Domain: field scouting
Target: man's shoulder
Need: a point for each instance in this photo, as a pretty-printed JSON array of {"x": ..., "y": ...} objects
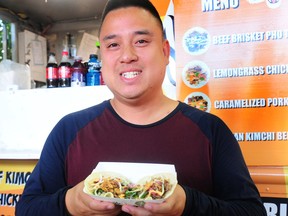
[
  {"x": 87, "y": 114},
  {"x": 198, "y": 116}
]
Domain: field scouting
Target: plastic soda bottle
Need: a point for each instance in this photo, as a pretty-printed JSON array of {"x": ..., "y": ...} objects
[
  {"x": 78, "y": 73},
  {"x": 93, "y": 74},
  {"x": 52, "y": 72},
  {"x": 64, "y": 71}
]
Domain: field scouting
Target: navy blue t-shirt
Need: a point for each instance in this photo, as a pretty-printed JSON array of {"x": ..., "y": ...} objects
[{"x": 208, "y": 160}]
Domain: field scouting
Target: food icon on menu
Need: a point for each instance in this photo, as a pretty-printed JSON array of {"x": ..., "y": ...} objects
[
  {"x": 273, "y": 3},
  {"x": 199, "y": 100},
  {"x": 195, "y": 74},
  {"x": 196, "y": 41},
  {"x": 270, "y": 3}
]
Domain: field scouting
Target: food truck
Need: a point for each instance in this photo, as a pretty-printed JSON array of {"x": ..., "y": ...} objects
[{"x": 227, "y": 57}]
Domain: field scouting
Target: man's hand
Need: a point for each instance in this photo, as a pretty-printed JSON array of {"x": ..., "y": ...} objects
[
  {"x": 79, "y": 203},
  {"x": 173, "y": 206}
]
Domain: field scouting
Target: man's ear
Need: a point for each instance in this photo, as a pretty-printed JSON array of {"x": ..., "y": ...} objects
[{"x": 166, "y": 50}]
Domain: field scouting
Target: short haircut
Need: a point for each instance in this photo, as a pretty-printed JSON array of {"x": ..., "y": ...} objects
[{"x": 118, "y": 4}]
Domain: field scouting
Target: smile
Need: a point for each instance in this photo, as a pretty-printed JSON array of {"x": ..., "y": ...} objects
[{"x": 130, "y": 75}]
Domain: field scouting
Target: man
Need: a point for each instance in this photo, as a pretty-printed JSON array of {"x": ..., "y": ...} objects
[{"x": 140, "y": 124}]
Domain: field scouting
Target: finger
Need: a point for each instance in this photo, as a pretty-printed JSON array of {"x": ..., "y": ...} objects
[
  {"x": 159, "y": 208},
  {"x": 136, "y": 211},
  {"x": 94, "y": 206},
  {"x": 101, "y": 205}
]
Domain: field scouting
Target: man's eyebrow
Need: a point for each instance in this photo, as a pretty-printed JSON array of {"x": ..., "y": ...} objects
[
  {"x": 142, "y": 32},
  {"x": 138, "y": 32},
  {"x": 109, "y": 37}
]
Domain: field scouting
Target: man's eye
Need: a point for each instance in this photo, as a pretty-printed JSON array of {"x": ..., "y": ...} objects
[
  {"x": 141, "y": 41},
  {"x": 112, "y": 45}
]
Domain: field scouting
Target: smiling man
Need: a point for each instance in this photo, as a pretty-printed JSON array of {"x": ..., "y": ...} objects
[
  {"x": 134, "y": 58},
  {"x": 140, "y": 124}
]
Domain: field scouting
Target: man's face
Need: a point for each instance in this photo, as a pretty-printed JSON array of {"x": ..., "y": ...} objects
[{"x": 134, "y": 54}]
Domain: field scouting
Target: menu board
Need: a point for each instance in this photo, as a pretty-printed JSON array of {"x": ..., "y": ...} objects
[{"x": 232, "y": 61}]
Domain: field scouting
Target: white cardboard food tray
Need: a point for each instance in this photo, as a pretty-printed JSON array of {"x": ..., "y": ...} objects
[{"x": 134, "y": 172}]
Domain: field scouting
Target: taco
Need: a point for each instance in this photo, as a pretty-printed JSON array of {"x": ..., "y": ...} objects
[
  {"x": 114, "y": 185},
  {"x": 106, "y": 184},
  {"x": 159, "y": 186}
]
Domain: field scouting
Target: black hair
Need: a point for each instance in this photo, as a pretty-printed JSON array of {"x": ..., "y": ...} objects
[{"x": 118, "y": 4}]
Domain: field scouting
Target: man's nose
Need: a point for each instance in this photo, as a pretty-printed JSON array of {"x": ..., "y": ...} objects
[{"x": 128, "y": 54}]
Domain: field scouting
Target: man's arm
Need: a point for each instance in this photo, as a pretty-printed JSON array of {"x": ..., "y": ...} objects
[
  {"x": 234, "y": 192},
  {"x": 44, "y": 192}
]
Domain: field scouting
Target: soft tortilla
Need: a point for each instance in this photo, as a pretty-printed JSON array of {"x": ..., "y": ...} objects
[{"x": 172, "y": 178}]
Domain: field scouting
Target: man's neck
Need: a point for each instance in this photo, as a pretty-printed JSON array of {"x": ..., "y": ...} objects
[{"x": 144, "y": 113}]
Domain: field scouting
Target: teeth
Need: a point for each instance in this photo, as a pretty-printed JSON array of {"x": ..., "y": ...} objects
[{"x": 130, "y": 75}]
